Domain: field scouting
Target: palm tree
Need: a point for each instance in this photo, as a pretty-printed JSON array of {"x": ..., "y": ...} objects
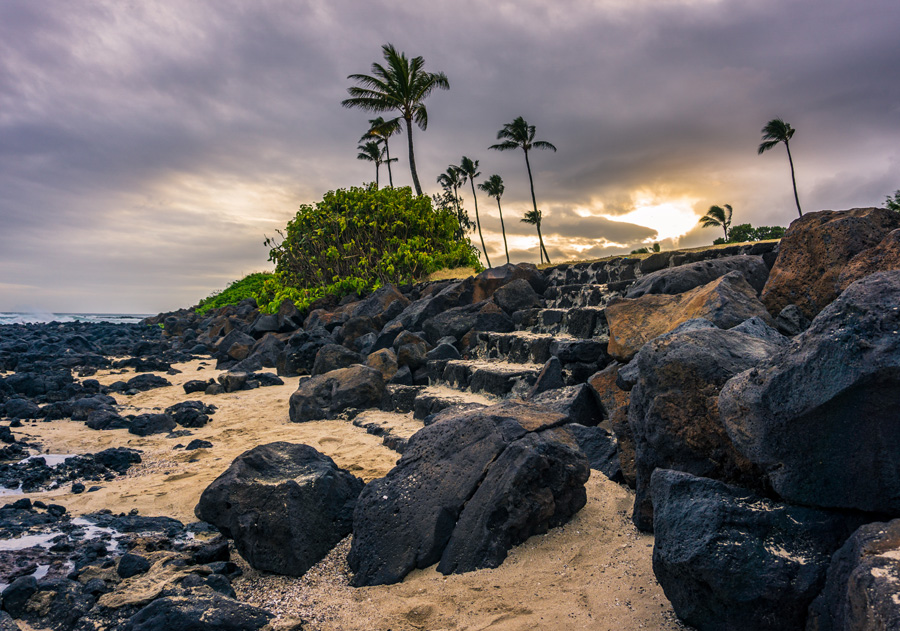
[
  {"x": 381, "y": 130},
  {"x": 520, "y": 135},
  {"x": 717, "y": 216},
  {"x": 469, "y": 170},
  {"x": 371, "y": 152},
  {"x": 451, "y": 180},
  {"x": 401, "y": 85},
  {"x": 775, "y": 131},
  {"x": 533, "y": 217},
  {"x": 493, "y": 186}
]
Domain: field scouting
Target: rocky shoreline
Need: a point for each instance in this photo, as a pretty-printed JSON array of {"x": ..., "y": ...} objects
[{"x": 736, "y": 402}]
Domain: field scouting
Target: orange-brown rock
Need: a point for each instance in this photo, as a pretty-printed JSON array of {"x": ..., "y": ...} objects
[
  {"x": 726, "y": 302},
  {"x": 814, "y": 252},
  {"x": 883, "y": 257}
]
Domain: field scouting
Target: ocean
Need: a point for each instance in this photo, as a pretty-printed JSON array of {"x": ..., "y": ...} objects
[{"x": 39, "y": 317}]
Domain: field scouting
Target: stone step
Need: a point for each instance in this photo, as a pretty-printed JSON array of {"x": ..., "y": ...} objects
[
  {"x": 395, "y": 428},
  {"x": 578, "y": 322},
  {"x": 437, "y": 398},
  {"x": 578, "y": 295},
  {"x": 537, "y": 348},
  {"x": 501, "y": 379}
]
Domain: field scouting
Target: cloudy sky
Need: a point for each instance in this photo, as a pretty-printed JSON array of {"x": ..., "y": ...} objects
[{"x": 148, "y": 147}]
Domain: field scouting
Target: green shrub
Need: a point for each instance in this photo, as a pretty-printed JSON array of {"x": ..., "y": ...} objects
[
  {"x": 251, "y": 286},
  {"x": 893, "y": 203},
  {"x": 744, "y": 232},
  {"x": 358, "y": 239}
]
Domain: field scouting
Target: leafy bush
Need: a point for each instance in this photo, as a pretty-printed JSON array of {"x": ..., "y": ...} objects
[
  {"x": 358, "y": 239},
  {"x": 744, "y": 232},
  {"x": 251, "y": 286},
  {"x": 893, "y": 203}
]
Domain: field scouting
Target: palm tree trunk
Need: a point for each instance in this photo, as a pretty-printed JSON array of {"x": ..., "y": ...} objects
[
  {"x": 478, "y": 221},
  {"x": 412, "y": 157},
  {"x": 793, "y": 179},
  {"x": 503, "y": 229},
  {"x": 541, "y": 241},
  {"x": 387, "y": 150},
  {"x": 377, "y": 167},
  {"x": 543, "y": 251}
]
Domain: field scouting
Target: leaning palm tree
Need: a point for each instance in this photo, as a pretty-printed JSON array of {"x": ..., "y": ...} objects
[
  {"x": 382, "y": 130},
  {"x": 372, "y": 152},
  {"x": 717, "y": 216},
  {"x": 469, "y": 170},
  {"x": 493, "y": 186},
  {"x": 402, "y": 85},
  {"x": 533, "y": 217},
  {"x": 520, "y": 135},
  {"x": 775, "y": 131}
]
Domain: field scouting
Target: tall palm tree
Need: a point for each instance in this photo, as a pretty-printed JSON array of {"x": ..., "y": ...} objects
[
  {"x": 469, "y": 170},
  {"x": 380, "y": 129},
  {"x": 520, "y": 135},
  {"x": 493, "y": 186},
  {"x": 775, "y": 131},
  {"x": 717, "y": 216},
  {"x": 533, "y": 217},
  {"x": 402, "y": 84}
]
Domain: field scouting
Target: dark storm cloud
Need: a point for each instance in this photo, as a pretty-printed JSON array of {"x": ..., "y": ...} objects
[{"x": 147, "y": 147}]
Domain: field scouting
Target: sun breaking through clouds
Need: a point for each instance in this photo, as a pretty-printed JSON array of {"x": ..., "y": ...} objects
[{"x": 146, "y": 149}]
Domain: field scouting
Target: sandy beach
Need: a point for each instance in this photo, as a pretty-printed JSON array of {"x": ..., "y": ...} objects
[{"x": 593, "y": 573}]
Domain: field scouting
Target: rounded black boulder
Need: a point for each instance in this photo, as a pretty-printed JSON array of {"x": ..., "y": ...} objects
[
  {"x": 285, "y": 506},
  {"x": 467, "y": 489},
  {"x": 820, "y": 417},
  {"x": 730, "y": 560}
]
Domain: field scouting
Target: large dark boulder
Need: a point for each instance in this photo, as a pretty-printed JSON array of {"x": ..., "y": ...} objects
[
  {"x": 326, "y": 396},
  {"x": 466, "y": 489},
  {"x": 820, "y": 417},
  {"x": 676, "y": 280},
  {"x": 535, "y": 484},
  {"x": 861, "y": 592},
  {"x": 601, "y": 449},
  {"x": 673, "y": 413},
  {"x": 814, "y": 252},
  {"x": 146, "y": 381},
  {"x": 517, "y": 295},
  {"x": 729, "y": 560},
  {"x": 146, "y": 424},
  {"x": 481, "y": 316},
  {"x": 198, "y": 613},
  {"x": 191, "y": 413},
  {"x": 382, "y": 305},
  {"x": 577, "y": 403},
  {"x": 284, "y": 505},
  {"x": 490, "y": 280},
  {"x": 334, "y": 356}
]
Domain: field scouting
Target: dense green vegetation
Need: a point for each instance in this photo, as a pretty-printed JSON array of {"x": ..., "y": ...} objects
[
  {"x": 744, "y": 232},
  {"x": 358, "y": 239},
  {"x": 251, "y": 286}
]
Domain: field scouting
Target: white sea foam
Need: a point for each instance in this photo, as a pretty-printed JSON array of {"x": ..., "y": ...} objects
[{"x": 43, "y": 317}]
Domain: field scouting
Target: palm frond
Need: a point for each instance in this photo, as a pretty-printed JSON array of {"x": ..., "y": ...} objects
[
  {"x": 542, "y": 144},
  {"x": 505, "y": 146}
]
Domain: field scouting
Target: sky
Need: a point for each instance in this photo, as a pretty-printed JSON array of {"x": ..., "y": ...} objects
[{"x": 148, "y": 148}]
